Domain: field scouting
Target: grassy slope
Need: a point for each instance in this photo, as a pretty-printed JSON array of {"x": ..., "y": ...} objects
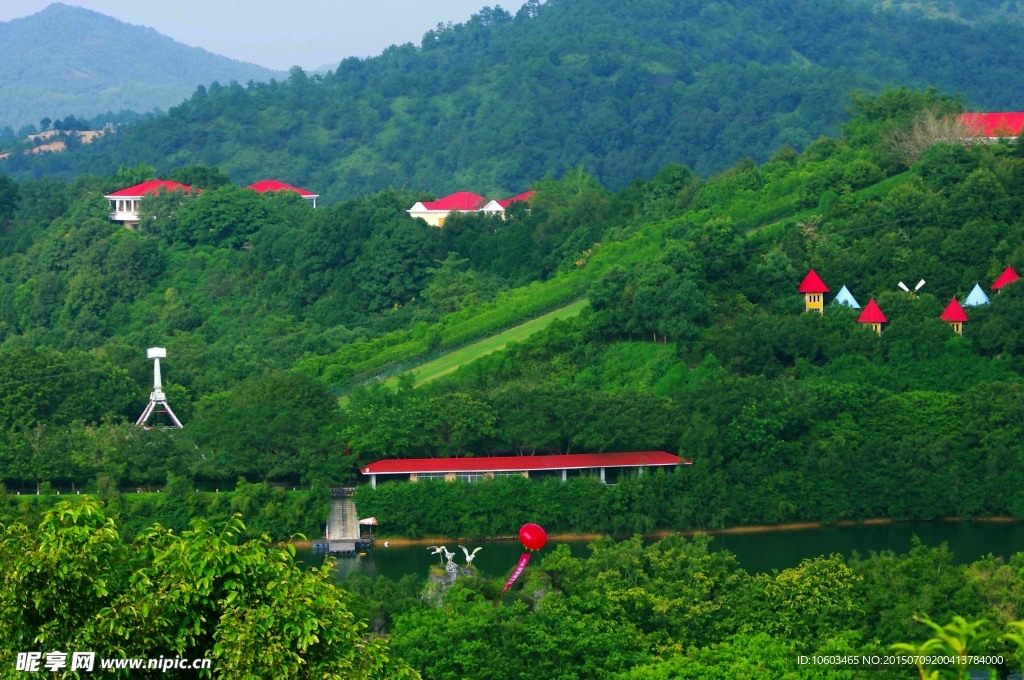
[{"x": 453, "y": 360}]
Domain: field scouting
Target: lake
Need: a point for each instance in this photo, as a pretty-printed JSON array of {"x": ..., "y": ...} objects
[{"x": 757, "y": 552}]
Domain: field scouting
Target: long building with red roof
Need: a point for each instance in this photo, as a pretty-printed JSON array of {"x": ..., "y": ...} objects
[{"x": 475, "y": 469}]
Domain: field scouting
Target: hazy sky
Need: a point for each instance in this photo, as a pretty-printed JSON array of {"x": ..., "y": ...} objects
[{"x": 280, "y": 34}]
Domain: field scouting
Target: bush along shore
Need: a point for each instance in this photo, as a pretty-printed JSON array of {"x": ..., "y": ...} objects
[{"x": 281, "y": 514}]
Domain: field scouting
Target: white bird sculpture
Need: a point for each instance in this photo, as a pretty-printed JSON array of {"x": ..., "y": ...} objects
[
  {"x": 437, "y": 550},
  {"x": 448, "y": 554},
  {"x": 469, "y": 555}
]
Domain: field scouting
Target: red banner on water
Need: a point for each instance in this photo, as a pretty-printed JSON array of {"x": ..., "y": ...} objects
[{"x": 524, "y": 559}]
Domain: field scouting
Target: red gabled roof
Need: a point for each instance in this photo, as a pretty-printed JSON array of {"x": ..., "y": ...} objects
[
  {"x": 872, "y": 313},
  {"x": 265, "y": 185},
  {"x": 462, "y": 200},
  {"x": 954, "y": 312},
  {"x": 525, "y": 197},
  {"x": 812, "y": 283},
  {"x": 1007, "y": 124},
  {"x": 1008, "y": 276},
  {"x": 571, "y": 461},
  {"x": 149, "y": 187}
]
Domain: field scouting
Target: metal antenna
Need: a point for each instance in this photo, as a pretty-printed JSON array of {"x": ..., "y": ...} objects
[{"x": 157, "y": 396}]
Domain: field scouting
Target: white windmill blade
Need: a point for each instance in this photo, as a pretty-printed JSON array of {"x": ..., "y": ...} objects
[
  {"x": 903, "y": 286},
  {"x": 918, "y": 286}
]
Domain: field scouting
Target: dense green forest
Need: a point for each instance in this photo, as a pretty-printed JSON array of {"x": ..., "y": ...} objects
[
  {"x": 675, "y": 608},
  {"x": 678, "y": 609},
  {"x": 695, "y": 340},
  {"x": 622, "y": 89}
]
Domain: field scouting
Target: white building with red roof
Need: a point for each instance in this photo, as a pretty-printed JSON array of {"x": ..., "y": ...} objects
[
  {"x": 434, "y": 213},
  {"x": 476, "y": 469},
  {"x": 497, "y": 207},
  {"x": 265, "y": 185},
  {"x": 124, "y": 203}
]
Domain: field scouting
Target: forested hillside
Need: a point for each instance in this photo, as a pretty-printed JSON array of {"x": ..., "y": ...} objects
[
  {"x": 620, "y": 88},
  {"x": 695, "y": 340},
  {"x": 69, "y": 61}
]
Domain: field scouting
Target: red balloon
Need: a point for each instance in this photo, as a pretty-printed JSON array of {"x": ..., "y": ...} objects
[{"x": 533, "y": 537}]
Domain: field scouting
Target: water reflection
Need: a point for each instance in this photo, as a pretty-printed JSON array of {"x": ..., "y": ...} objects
[{"x": 756, "y": 552}]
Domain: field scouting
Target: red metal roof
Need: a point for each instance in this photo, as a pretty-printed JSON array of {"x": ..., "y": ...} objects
[
  {"x": 812, "y": 283},
  {"x": 954, "y": 312},
  {"x": 872, "y": 313},
  {"x": 571, "y": 461},
  {"x": 525, "y": 197},
  {"x": 265, "y": 185},
  {"x": 149, "y": 187},
  {"x": 1007, "y": 124},
  {"x": 1008, "y": 276},
  {"x": 462, "y": 200}
]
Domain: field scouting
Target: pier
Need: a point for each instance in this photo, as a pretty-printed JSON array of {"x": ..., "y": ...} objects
[{"x": 343, "y": 535}]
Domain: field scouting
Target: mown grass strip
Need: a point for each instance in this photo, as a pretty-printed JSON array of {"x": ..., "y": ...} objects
[{"x": 448, "y": 363}]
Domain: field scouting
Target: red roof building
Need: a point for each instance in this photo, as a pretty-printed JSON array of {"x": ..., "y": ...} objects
[
  {"x": 124, "y": 203},
  {"x": 475, "y": 469},
  {"x": 955, "y": 315},
  {"x": 464, "y": 201},
  {"x": 265, "y": 185},
  {"x": 1008, "y": 276},
  {"x": 993, "y": 125},
  {"x": 873, "y": 315},
  {"x": 501, "y": 204},
  {"x": 814, "y": 290},
  {"x": 435, "y": 212}
]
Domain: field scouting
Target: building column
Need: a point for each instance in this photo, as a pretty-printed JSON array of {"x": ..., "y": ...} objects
[
  {"x": 564, "y": 474},
  {"x": 373, "y": 481},
  {"x": 602, "y": 476}
]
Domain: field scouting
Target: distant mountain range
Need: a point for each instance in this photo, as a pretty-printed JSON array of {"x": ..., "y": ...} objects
[
  {"x": 72, "y": 61},
  {"x": 621, "y": 89}
]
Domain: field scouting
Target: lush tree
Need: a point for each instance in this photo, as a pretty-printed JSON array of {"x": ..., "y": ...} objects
[{"x": 201, "y": 594}]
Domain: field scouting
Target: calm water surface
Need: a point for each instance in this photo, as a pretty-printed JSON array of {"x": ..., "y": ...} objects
[{"x": 756, "y": 552}]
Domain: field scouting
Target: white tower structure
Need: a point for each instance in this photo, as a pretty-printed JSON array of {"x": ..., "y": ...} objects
[{"x": 157, "y": 397}]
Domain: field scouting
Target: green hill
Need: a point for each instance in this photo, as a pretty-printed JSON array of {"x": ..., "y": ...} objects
[
  {"x": 620, "y": 88},
  {"x": 694, "y": 340}
]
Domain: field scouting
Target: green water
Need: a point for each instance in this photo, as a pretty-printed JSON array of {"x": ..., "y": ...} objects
[{"x": 756, "y": 552}]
